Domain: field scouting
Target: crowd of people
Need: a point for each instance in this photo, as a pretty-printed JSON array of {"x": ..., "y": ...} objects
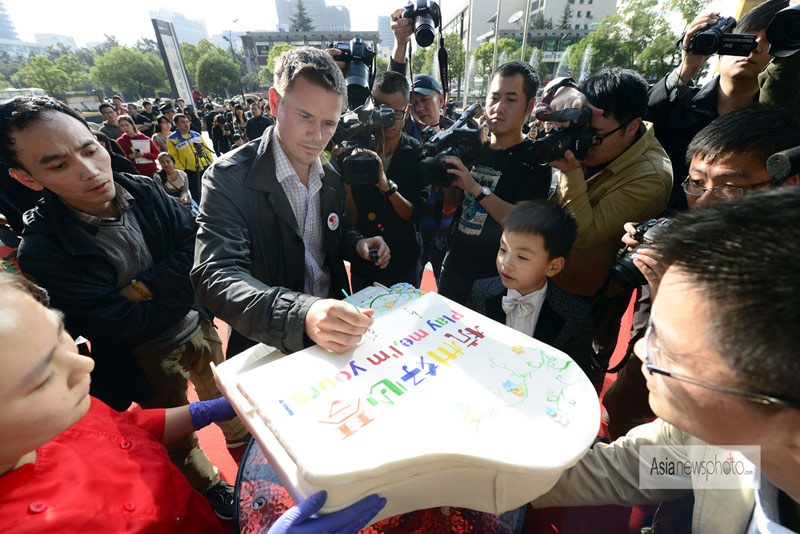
[{"x": 136, "y": 234}]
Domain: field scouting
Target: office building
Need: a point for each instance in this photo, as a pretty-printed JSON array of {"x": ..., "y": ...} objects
[{"x": 187, "y": 30}]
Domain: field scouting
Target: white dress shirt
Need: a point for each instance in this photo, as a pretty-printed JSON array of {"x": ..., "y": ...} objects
[
  {"x": 526, "y": 325},
  {"x": 766, "y": 519}
]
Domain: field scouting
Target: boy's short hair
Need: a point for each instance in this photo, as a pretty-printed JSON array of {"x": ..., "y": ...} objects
[
  {"x": 555, "y": 224},
  {"x": 760, "y": 132}
]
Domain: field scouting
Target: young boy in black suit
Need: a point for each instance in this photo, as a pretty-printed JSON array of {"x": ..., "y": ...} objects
[{"x": 537, "y": 237}]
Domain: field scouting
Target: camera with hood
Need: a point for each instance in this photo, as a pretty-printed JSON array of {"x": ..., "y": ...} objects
[
  {"x": 623, "y": 270},
  {"x": 783, "y": 32},
  {"x": 426, "y": 16},
  {"x": 354, "y": 133},
  {"x": 579, "y": 136},
  {"x": 360, "y": 58},
  {"x": 461, "y": 140}
]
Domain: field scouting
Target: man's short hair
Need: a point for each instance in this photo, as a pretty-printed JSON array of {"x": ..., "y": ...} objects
[
  {"x": 19, "y": 283},
  {"x": 744, "y": 256},
  {"x": 146, "y": 103},
  {"x": 116, "y": 96},
  {"x": 132, "y": 106},
  {"x": 314, "y": 65},
  {"x": 530, "y": 80},
  {"x": 104, "y": 105},
  {"x": 17, "y": 113},
  {"x": 759, "y": 132},
  {"x": 178, "y": 116},
  {"x": 555, "y": 224},
  {"x": 758, "y": 18},
  {"x": 389, "y": 82},
  {"x": 621, "y": 93}
]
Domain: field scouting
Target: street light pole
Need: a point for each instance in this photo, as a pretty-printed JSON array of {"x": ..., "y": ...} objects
[{"x": 230, "y": 42}]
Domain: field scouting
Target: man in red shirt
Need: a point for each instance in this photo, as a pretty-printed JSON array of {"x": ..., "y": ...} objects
[{"x": 69, "y": 463}]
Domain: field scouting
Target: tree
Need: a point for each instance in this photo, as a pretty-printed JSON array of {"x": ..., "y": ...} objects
[
  {"x": 77, "y": 72},
  {"x": 216, "y": 72},
  {"x": 145, "y": 44},
  {"x": 250, "y": 82},
  {"x": 301, "y": 22},
  {"x": 689, "y": 9},
  {"x": 455, "y": 57},
  {"x": 265, "y": 77},
  {"x": 129, "y": 70},
  {"x": 483, "y": 54},
  {"x": 656, "y": 61},
  {"x": 538, "y": 22},
  {"x": 381, "y": 65},
  {"x": 507, "y": 47},
  {"x": 418, "y": 60},
  {"x": 564, "y": 22},
  {"x": 10, "y": 65},
  {"x": 42, "y": 72},
  {"x": 274, "y": 53}
]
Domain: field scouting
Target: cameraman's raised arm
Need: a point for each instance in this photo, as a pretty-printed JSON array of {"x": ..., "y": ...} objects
[
  {"x": 494, "y": 205},
  {"x": 402, "y": 29}
]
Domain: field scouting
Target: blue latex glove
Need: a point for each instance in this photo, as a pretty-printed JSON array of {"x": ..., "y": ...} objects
[
  {"x": 298, "y": 520},
  {"x": 204, "y": 413}
]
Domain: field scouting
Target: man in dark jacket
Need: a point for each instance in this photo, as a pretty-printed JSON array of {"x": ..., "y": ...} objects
[
  {"x": 257, "y": 123},
  {"x": 114, "y": 252},
  {"x": 391, "y": 206},
  {"x": 274, "y": 227}
]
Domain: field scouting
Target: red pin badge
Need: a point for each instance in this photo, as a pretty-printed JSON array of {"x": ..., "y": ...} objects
[{"x": 333, "y": 221}]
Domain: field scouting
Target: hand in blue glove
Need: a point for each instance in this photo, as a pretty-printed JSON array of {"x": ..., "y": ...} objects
[
  {"x": 298, "y": 520},
  {"x": 204, "y": 413}
]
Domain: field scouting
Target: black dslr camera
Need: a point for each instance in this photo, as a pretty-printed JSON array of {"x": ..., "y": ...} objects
[
  {"x": 579, "y": 136},
  {"x": 718, "y": 39},
  {"x": 426, "y": 17},
  {"x": 460, "y": 140},
  {"x": 356, "y": 131},
  {"x": 360, "y": 58},
  {"x": 623, "y": 270}
]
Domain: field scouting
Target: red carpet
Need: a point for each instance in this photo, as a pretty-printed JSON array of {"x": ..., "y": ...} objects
[{"x": 577, "y": 520}]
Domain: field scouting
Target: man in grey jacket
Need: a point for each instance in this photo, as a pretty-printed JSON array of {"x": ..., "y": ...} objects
[{"x": 274, "y": 226}]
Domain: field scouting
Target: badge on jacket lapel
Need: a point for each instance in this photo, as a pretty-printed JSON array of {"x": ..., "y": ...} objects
[{"x": 333, "y": 221}]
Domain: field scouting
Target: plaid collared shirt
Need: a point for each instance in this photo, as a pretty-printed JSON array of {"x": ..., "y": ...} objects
[{"x": 305, "y": 204}]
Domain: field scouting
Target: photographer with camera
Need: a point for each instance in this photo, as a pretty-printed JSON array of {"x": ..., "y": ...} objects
[
  {"x": 780, "y": 81},
  {"x": 727, "y": 159},
  {"x": 679, "y": 109},
  {"x": 389, "y": 204},
  {"x": 504, "y": 174},
  {"x": 190, "y": 153}
]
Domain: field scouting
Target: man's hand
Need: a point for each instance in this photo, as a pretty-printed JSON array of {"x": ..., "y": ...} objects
[
  {"x": 629, "y": 237},
  {"x": 334, "y": 53},
  {"x": 132, "y": 295},
  {"x": 374, "y": 243},
  {"x": 567, "y": 163},
  {"x": 692, "y": 63},
  {"x": 649, "y": 263},
  {"x": 383, "y": 181},
  {"x": 335, "y": 325},
  {"x": 402, "y": 29},
  {"x": 567, "y": 98},
  {"x": 463, "y": 179},
  {"x": 299, "y": 520}
]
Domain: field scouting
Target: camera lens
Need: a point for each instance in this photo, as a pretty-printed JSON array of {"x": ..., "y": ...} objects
[
  {"x": 784, "y": 30},
  {"x": 706, "y": 43},
  {"x": 357, "y": 76},
  {"x": 550, "y": 147},
  {"x": 423, "y": 30}
]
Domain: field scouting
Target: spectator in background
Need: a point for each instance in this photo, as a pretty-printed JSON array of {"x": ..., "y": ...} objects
[
  {"x": 197, "y": 97},
  {"x": 190, "y": 152},
  {"x": 174, "y": 182},
  {"x": 221, "y": 135},
  {"x": 237, "y": 140},
  {"x": 142, "y": 123},
  {"x": 257, "y": 124},
  {"x": 679, "y": 109},
  {"x": 195, "y": 124},
  {"x": 118, "y": 107},
  {"x": 110, "y": 125},
  {"x": 119, "y": 162},
  {"x": 239, "y": 121},
  {"x": 168, "y": 110},
  {"x": 164, "y": 130},
  {"x": 181, "y": 105},
  {"x": 147, "y": 111},
  {"x": 143, "y": 160},
  {"x": 208, "y": 119}
]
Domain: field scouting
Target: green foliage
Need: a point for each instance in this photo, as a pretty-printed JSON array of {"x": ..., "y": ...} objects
[
  {"x": 251, "y": 82},
  {"x": 455, "y": 54},
  {"x": 129, "y": 70},
  {"x": 265, "y": 77},
  {"x": 483, "y": 54},
  {"x": 42, "y": 72},
  {"x": 301, "y": 22},
  {"x": 77, "y": 72},
  {"x": 190, "y": 57},
  {"x": 564, "y": 22},
  {"x": 689, "y": 9},
  {"x": 143, "y": 44},
  {"x": 381, "y": 65},
  {"x": 538, "y": 22},
  {"x": 535, "y": 61},
  {"x": 216, "y": 72},
  {"x": 507, "y": 48},
  {"x": 623, "y": 40},
  {"x": 275, "y": 53},
  {"x": 10, "y": 65},
  {"x": 418, "y": 60}
]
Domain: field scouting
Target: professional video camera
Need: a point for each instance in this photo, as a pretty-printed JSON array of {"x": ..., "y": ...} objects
[
  {"x": 355, "y": 132},
  {"x": 360, "y": 59},
  {"x": 718, "y": 39},
  {"x": 579, "y": 136},
  {"x": 460, "y": 140},
  {"x": 623, "y": 270},
  {"x": 426, "y": 16},
  {"x": 782, "y": 165},
  {"x": 783, "y": 32}
]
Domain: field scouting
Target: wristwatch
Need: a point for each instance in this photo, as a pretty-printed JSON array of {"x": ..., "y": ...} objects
[
  {"x": 485, "y": 192},
  {"x": 392, "y": 189}
]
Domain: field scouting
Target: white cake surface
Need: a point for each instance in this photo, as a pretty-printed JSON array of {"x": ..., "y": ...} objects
[{"x": 437, "y": 406}]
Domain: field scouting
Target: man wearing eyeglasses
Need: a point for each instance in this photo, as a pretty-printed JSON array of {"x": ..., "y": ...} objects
[
  {"x": 726, "y": 160},
  {"x": 720, "y": 361},
  {"x": 391, "y": 207}
]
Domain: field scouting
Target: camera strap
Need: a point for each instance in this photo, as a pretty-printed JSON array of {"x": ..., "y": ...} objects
[{"x": 444, "y": 68}]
